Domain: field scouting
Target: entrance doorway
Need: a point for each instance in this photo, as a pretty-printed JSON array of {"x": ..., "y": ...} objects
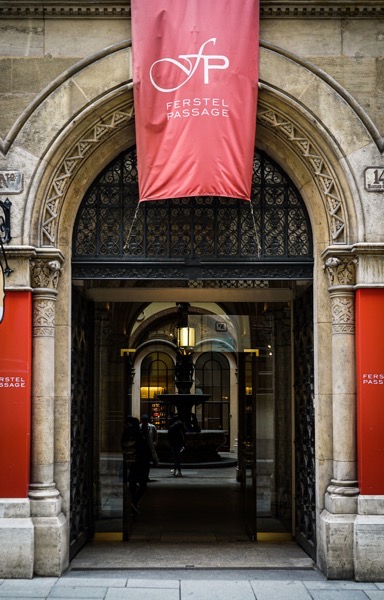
[
  {"x": 247, "y": 491},
  {"x": 242, "y": 278}
]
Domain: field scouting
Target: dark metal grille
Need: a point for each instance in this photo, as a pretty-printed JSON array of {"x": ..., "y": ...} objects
[
  {"x": 187, "y": 233},
  {"x": 305, "y": 423},
  {"x": 81, "y": 426}
]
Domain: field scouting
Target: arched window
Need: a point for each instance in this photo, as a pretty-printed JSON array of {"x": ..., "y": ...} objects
[
  {"x": 157, "y": 377},
  {"x": 212, "y": 377},
  {"x": 192, "y": 238}
]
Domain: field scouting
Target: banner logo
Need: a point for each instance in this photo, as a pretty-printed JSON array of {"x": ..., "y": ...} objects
[
  {"x": 210, "y": 63},
  {"x": 195, "y": 74}
]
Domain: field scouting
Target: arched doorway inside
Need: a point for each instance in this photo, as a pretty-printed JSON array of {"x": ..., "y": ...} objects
[{"x": 201, "y": 249}]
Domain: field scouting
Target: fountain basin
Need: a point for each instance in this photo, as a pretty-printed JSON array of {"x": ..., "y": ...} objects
[{"x": 183, "y": 404}]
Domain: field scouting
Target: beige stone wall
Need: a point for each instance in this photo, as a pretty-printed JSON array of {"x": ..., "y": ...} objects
[
  {"x": 350, "y": 51},
  {"x": 331, "y": 67},
  {"x": 33, "y": 52}
]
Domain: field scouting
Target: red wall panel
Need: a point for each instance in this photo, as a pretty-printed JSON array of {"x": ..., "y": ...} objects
[
  {"x": 15, "y": 394},
  {"x": 370, "y": 389}
]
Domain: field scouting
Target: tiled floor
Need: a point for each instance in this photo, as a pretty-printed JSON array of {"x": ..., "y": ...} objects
[
  {"x": 204, "y": 504},
  {"x": 193, "y": 521}
]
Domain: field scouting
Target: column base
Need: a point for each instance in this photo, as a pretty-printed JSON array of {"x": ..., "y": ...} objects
[
  {"x": 51, "y": 545},
  {"x": 340, "y": 505},
  {"x": 342, "y": 497},
  {"x": 335, "y": 555},
  {"x": 45, "y": 500},
  {"x": 352, "y": 546},
  {"x": 16, "y": 539},
  {"x": 51, "y": 530},
  {"x": 31, "y": 544}
]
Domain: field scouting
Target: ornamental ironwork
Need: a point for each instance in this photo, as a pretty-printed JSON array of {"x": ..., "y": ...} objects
[
  {"x": 305, "y": 493},
  {"x": 5, "y": 237},
  {"x": 192, "y": 238},
  {"x": 81, "y": 425}
]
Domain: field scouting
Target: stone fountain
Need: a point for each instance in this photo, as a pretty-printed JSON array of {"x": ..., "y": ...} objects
[{"x": 201, "y": 446}]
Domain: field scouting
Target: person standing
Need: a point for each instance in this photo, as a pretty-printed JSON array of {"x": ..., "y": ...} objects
[
  {"x": 149, "y": 431},
  {"x": 176, "y": 437},
  {"x": 137, "y": 457}
]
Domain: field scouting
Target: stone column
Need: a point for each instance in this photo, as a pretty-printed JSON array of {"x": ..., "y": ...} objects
[
  {"x": 51, "y": 541},
  {"x": 336, "y": 550},
  {"x": 343, "y": 491}
]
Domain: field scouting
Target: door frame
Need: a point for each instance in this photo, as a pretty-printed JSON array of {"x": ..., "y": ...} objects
[{"x": 257, "y": 295}]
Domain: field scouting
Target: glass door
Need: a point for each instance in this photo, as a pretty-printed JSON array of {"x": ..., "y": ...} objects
[
  {"x": 265, "y": 424},
  {"x": 259, "y": 336},
  {"x": 247, "y": 441},
  {"x": 274, "y": 406}
]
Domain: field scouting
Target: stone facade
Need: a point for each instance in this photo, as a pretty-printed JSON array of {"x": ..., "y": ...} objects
[{"x": 67, "y": 109}]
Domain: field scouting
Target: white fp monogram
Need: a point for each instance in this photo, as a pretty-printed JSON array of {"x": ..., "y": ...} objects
[{"x": 210, "y": 62}]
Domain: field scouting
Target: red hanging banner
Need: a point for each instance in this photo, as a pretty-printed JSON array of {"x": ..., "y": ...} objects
[
  {"x": 195, "y": 75},
  {"x": 15, "y": 395},
  {"x": 370, "y": 389}
]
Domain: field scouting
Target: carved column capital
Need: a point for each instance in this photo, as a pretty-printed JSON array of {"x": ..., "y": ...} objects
[
  {"x": 45, "y": 273},
  {"x": 341, "y": 270}
]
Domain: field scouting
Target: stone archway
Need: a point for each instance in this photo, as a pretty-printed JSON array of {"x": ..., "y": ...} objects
[{"x": 299, "y": 141}]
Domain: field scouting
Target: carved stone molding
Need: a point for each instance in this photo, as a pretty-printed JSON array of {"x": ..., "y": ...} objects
[
  {"x": 343, "y": 488},
  {"x": 343, "y": 312},
  {"x": 309, "y": 10},
  {"x": 341, "y": 270},
  {"x": 317, "y": 163},
  {"x": 117, "y": 9},
  {"x": 72, "y": 162},
  {"x": 282, "y": 124},
  {"x": 43, "y": 491},
  {"x": 88, "y": 9},
  {"x": 45, "y": 499},
  {"x": 43, "y": 316},
  {"x": 45, "y": 273}
]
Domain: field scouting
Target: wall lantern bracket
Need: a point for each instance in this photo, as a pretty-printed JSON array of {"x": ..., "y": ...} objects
[{"x": 5, "y": 232}]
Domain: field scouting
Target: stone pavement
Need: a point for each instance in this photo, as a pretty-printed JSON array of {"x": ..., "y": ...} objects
[{"x": 191, "y": 584}]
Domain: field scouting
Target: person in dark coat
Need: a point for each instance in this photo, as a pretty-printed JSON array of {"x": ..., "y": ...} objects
[
  {"x": 150, "y": 432},
  {"x": 137, "y": 457},
  {"x": 176, "y": 438}
]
